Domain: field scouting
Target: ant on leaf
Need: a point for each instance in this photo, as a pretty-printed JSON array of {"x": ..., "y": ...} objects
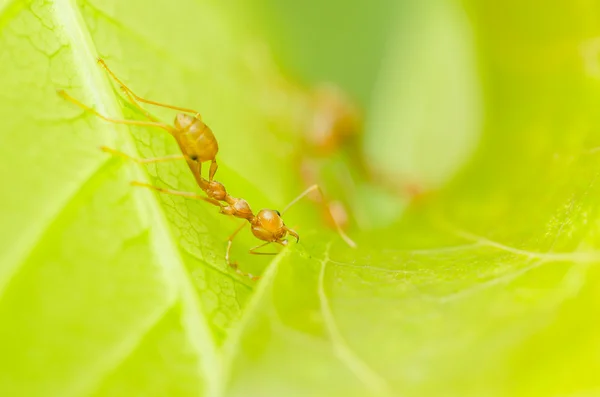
[{"x": 198, "y": 144}]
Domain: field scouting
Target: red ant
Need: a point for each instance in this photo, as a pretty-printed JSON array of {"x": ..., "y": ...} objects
[
  {"x": 336, "y": 125},
  {"x": 198, "y": 144}
]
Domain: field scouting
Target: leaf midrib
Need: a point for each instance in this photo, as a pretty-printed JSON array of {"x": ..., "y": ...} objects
[{"x": 83, "y": 50}]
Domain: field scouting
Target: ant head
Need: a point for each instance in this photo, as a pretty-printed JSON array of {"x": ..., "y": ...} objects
[
  {"x": 217, "y": 191},
  {"x": 336, "y": 119},
  {"x": 183, "y": 121},
  {"x": 270, "y": 220},
  {"x": 269, "y": 226}
]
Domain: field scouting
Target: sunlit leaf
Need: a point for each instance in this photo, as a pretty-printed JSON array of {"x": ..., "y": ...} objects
[{"x": 486, "y": 286}]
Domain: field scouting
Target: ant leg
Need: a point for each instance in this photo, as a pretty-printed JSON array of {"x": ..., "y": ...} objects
[
  {"x": 230, "y": 243},
  {"x": 213, "y": 169},
  {"x": 326, "y": 206},
  {"x": 115, "y": 152},
  {"x": 337, "y": 212},
  {"x": 127, "y": 89},
  {"x": 69, "y": 98},
  {"x": 189, "y": 195},
  {"x": 253, "y": 249},
  {"x": 135, "y": 103},
  {"x": 234, "y": 265}
]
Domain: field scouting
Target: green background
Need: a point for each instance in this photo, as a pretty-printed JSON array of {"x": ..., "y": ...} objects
[{"x": 488, "y": 286}]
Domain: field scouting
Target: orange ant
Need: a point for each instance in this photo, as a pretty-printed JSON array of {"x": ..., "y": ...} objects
[
  {"x": 197, "y": 144},
  {"x": 335, "y": 126},
  {"x": 336, "y": 121},
  {"x": 267, "y": 225}
]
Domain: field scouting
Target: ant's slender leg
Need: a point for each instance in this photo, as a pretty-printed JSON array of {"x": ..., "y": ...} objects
[
  {"x": 326, "y": 206},
  {"x": 234, "y": 265},
  {"x": 253, "y": 249},
  {"x": 142, "y": 161},
  {"x": 135, "y": 103},
  {"x": 69, "y": 98},
  {"x": 178, "y": 193},
  {"x": 127, "y": 89},
  {"x": 195, "y": 166},
  {"x": 308, "y": 172},
  {"x": 230, "y": 243}
]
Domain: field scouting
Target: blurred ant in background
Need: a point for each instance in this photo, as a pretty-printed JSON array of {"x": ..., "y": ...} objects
[{"x": 333, "y": 128}]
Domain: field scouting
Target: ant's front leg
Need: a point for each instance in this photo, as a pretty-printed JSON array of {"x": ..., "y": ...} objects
[{"x": 234, "y": 265}]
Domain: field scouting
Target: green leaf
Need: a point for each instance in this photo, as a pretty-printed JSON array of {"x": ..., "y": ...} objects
[
  {"x": 487, "y": 286},
  {"x": 427, "y": 101}
]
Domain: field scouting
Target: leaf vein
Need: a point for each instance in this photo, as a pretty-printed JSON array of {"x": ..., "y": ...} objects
[
  {"x": 589, "y": 256},
  {"x": 174, "y": 269},
  {"x": 113, "y": 359},
  {"x": 371, "y": 379}
]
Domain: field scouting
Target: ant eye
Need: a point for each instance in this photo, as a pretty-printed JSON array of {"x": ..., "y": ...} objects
[{"x": 277, "y": 212}]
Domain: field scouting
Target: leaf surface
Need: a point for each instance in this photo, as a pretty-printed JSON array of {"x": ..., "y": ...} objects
[{"x": 488, "y": 286}]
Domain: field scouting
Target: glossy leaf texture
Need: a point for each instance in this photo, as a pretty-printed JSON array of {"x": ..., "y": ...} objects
[{"x": 486, "y": 286}]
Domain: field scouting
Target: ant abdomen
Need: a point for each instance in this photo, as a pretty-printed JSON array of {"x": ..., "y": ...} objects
[{"x": 197, "y": 138}]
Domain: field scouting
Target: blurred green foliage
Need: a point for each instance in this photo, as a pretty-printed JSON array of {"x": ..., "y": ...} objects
[
  {"x": 487, "y": 286},
  {"x": 335, "y": 41}
]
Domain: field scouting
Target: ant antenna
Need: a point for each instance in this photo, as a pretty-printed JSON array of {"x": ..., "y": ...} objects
[{"x": 305, "y": 193}]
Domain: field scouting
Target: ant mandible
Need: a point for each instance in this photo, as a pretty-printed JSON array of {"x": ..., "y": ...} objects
[{"x": 197, "y": 144}]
